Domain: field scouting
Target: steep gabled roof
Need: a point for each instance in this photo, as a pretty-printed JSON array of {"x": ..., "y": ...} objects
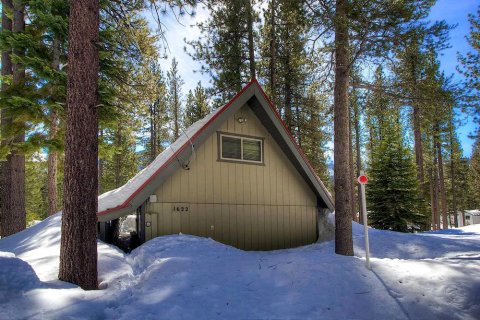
[{"x": 128, "y": 197}]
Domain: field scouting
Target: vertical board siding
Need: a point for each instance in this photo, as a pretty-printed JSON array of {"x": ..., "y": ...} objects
[{"x": 252, "y": 207}]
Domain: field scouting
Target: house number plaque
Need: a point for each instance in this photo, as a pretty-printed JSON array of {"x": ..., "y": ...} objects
[{"x": 181, "y": 208}]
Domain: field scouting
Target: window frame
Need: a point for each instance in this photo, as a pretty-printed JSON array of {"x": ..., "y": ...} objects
[{"x": 242, "y": 137}]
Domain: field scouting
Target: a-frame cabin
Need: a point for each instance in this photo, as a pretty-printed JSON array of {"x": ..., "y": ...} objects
[{"x": 236, "y": 176}]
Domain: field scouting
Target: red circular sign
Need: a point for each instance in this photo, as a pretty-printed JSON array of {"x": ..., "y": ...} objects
[{"x": 363, "y": 179}]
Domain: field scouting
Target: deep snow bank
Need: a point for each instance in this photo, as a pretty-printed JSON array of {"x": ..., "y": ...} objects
[{"x": 414, "y": 276}]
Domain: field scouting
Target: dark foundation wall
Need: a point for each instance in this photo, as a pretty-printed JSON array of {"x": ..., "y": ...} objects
[{"x": 110, "y": 232}]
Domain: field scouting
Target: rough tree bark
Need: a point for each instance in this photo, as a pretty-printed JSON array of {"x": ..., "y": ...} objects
[
  {"x": 288, "y": 95},
  {"x": 417, "y": 134},
  {"x": 453, "y": 180},
  {"x": 359, "y": 159},
  {"x": 352, "y": 170},
  {"x": 101, "y": 164},
  {"x": 5, "y": 218},
  {"x": 417, "y": 130},
  {"x": 118, "y": 159},
  {"x": 343, "y": 220},
  {"x": 433, "y": 201},
  {"x": 298, "y": 124},
  {"x": 288, "y": 91},
  {"x": 52, "y": 163},
  {"x": 176, "y": 124},
  {"x": 52, "y": 160},
  {"x": 251, "y": 49},
  {"x": 13, "y": 169},
  {"x": 434, "y": 188},
  {"x": 153, "y": 132},
  {"x": 115, "y": 224},
  {"x": 78, "y": 251},
  {"x": 441, "y": 184}
]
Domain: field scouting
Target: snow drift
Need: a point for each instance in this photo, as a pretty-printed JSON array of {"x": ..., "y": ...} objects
[{"x": 415, "y": 276}]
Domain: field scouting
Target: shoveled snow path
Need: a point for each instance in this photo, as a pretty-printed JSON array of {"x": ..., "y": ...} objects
[{"x": 424, "y": 276}]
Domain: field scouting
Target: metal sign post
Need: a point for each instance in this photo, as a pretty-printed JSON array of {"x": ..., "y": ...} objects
[{"x": 362, "y": 179}]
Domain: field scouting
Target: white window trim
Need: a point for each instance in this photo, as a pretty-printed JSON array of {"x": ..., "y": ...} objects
[{"x": 241, "y": 148}]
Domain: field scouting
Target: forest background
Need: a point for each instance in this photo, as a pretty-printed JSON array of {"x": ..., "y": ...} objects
[{"x": 420, "y": 96}]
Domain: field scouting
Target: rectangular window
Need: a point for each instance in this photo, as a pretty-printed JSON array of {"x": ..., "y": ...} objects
[
  {"x": 231, "y": 148},
  {"x": 239, "y": 148},
  {"x": 252, "y": 150}
]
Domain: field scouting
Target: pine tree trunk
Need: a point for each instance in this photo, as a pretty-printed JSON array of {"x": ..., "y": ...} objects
[
  {"x": 417, "y": 129},
  {"x": 52, "y": 160},
  {"x": 441, "y": 183},
  {"x": 18, "y": 160},
  {"x": 372, "y": 133},
  {"x": 434, "y": 182},
  {"x": 433, "y": 201},
  {"x": 118, "y": 159},
  {"x": 288, "y": 97},
  {"x": 343, "y": 216},
  {"x": 13, "y": 173},
  {"x": 100, "y": 167},
  {"x": 5, "y": 214},
  {"x": 452, "y": 173},
  {"x": 78, "y": 251},
  {"x": 251, "y": 49},
  {"x": 273, "y": 56},
  {"x": 436, "y": 199},
  {"x": 298, "y": 124},
  {"x": 358, "y": 154},
  {"x": 417, "y": 134},
  {"x": 52, "y": 169},
  {"x": 176, "y": 129},
  {"x": 238, "y": 75},
  {"x": 153, "y": 132},
  {"x": 352, "y": 170}
]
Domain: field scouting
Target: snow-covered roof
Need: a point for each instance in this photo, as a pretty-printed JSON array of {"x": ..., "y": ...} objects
[
  {"x": 128, "y": 197},
  {"x": 114, "y": 198},
  {"x": 473, "y": 212}
]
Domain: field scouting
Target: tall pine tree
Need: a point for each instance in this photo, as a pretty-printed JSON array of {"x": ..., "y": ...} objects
[
  {"x": 474, "y": 175},
  {"x": 196, "y": 106},
  {"x": 78, "y": 250},
  {"x": 392, "y": 194},
  {"x": 174, "y": 94},
  {"x": 470, "y": 67},
  {"x": 226, "y": 48},
  {"x": 12, "y": 180}
]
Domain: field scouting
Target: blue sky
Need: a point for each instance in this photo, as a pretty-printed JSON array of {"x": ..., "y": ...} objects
[
  {"x": 452, "y": 11},
  {"x": 456, "y": 12}
]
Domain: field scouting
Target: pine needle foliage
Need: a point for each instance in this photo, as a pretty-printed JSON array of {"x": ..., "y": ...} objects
[
  {"x": 474, "y": 174},
  {"x": 196, "y": 107},
  {"x": 223, "y": 48},
  {"x": 470, "y": 67},
  {"x": 392, "y": 192}
]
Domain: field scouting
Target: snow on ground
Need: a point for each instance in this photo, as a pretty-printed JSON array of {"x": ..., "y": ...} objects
[{"x": 414, "y": 276}]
